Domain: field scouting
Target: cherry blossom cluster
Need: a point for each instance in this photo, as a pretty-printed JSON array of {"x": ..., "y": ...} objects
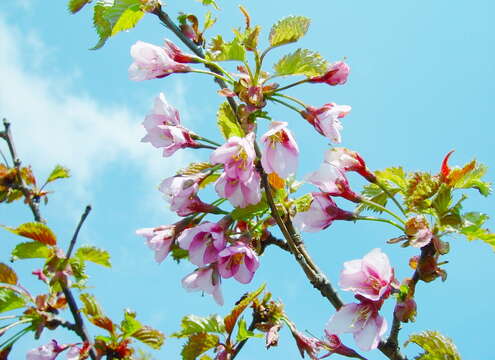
[{"x": 53, "y": 349}]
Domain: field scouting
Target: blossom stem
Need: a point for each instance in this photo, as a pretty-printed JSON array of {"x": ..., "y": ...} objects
[
  {"x": 293, "y": 84},
  {"x": 291, "y": 98},
  {"x": 200, "y": 138},
  {"x": 216, "y": 66},
  {"x": 380, "y": 220},
  {"x": 382, "y": 208},
  {"x": 285, "y": 104},
  {"x": 211, "y": 73},
  {"x": 391, "y": 196}
]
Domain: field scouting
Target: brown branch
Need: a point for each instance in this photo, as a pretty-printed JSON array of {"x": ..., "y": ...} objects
[{"x": 272, "y": 240}]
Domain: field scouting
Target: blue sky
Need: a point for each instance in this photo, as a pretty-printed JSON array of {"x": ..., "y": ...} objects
[{"x": 422, "y": 83}]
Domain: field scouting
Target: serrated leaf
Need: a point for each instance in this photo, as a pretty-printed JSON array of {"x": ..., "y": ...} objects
[
  {"x": 219, "y": 50},
  {"x": 10, "y": 300},
  {"x": 421, "y": 187},
  {"x": 94, "y": 254},
  {"x": 7, "y": 275},
  {"x": 442, "y": 201},
  {"x": 198, "y": 344},
  {"x": 238, "y": 309},
  {"x": 78, "y": 268},
  {"x": 150, "y": 337},
  {"x": 103, "y": 322},
  {"x": 227, "y": 122},
  {"x": 111, "y": 18},
  {"x": 301, "y": 62},
  {"x": 76, "y": 5},
  {"x": 193, "y": 324},
  {"x": 209, "y": 21},
  {"x": 91, "y": 307},
  {"x": 195, "y": 168},
  {"x": 31, "y": 250},
  {"x": 472, "y": 180},
  {"x": 436, "y": 346},
  {"x": 36, "y": 231},
  {"x": 129, "y": 325},
  {"x": 376, "y": 195},
  {"x": 288, "y": 30},
  {"x": 394, "y": 175},
  {"x": 472, "y": 228},
  {"x": 250, "y": 210},
  {"x": 59, "y": 172},
  {"x": 243, "y": 333}
]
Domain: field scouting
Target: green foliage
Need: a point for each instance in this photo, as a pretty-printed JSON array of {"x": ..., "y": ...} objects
[
  {"x": 198, "y": 344},
  {"x": 435, "y": 345},
  {"x": 192, "y": 324},
  {"x": 91, "y": 307},
  {"x": 301, "y": 62},
  {"x": 76, "y": 5},
  {"x": 10, "y": 300},
  {"x": 303, "y": 203},
  {"x": 376, "y": 195},
  {"x": 393, "y": 175},
  {"x": 59, "y": 172},
  {"x": 178, "y": 253},
  {"x": 231, "y": 319},
  {"x": 109, "y": 19},
  {"x": 36, "y": 231},
  {"x": 472, "y": 228},
  {"x": 249, "y": 38},
  {"x": 195, "y": 168},
  {"x": 94, "y": 254},
  {"x": 243, "y": 333},
  {"x": 227, "y": 122},
  {"x": 219, "y": 50},
  {"x": 31, "y": 250},
  {"x": 209, "y": 2},
  {"x": 129, "y": 325},
  {"x": 288, "y": 30},
  {"x": 472, "y": 180},
  {"x": 250, "y": 211},
  {"x": 149, "y": 336},
  {"x": 421, "y": 187},
  {"x": 7, "y": 275}
]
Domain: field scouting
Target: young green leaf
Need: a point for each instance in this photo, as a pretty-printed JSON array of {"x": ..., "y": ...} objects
[
  {"x": 303, "y": 203},
  {"x": 289, "y": 30},
  {"x": 227, "y": 122},
  {"x": 129, "y": 325},
  {"x": 10, "y": 300},
  {"x": 195, "y": 168},
  {"x": 209, "y": 2},
  {"x": 198, "y": 344},
  {"x": 91, "y": 307},
  {"x": 59, "y": 172},
  {"x": 243, "y": 333},
  {"x": 376, "y": 195},
  {"x": 94, "y": 254},
  {"x": 301, "y": 62},
  {"x": 250, "y": 211},
  {"x": 193, "y": 324},
  {"x": 149, "y": 336},
  {"x": 219, "y": 50},
  {"x": 393, "y": 175},
  {"x": 31, "y": 250},
  {"x": 238, "y": 309},
  {"x": 36, "y": 231},
  {"x": 76, "y": 5},
  {"x": 178, "y": 253},
  {"x": 435, "y": 345},
  {"x": 7, "y": 275},
  {"x": 472, "y": 228},
  {"x": 472, "y": 180}
]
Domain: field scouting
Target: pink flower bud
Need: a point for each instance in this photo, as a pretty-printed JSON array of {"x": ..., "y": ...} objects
[
  {"x": 326, "y": 119},
  {"x": 348, "y": 160},
  {"x": 206, "y": 280},
  {"x": 336, "y": 74},
  {"x": 176, "y": 54},
  {"x": 161, "y": 238},
  {"x": 332, "y": 180},
  {"x": 405, "y": 310}
]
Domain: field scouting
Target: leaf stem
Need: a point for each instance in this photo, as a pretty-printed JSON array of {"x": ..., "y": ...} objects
[{"x": 200, "y": 138}]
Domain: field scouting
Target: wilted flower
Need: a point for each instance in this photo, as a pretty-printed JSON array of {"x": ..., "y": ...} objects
[
  {"x": 418, "y": 231},
  {"x": 370, "y": 277},
  {"x": 281, "y": 151},
  {"x": 177, "y": 54},
  {"x": 362, "y": 320},
  {"x": 405, "y": 310},
  {"x": 336, "y": 74},
  {"x": 152, "y": 62},
  {"x": 348, "y": 160},
  {"x": 326, "y": 119},
  {"x": 203, "y": 242},
  {"x": 240, "y": 193},
  {"x": 330, "y": 179},
  {"x": 321, "y": 213},
  {"x": 205, "y": 279},
  {"x": 333, "y": 344},
  {"x": 305, "y": 344},
  {"x": 239, "y": 261}
]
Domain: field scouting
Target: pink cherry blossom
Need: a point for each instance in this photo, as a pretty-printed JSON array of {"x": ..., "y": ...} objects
[
  {"x": 281, "y": 152},
  {"x": 152, "y": 62},
  {"x": 239, "y": 261},
  {"x": 362, "y": 320},
  {"x": 206, "y": 280},
  {"x": 321, "y": 213},
  {"x": 181, "y": 193},
  {"x": 348, "y": 160},
  {"x": 238, "y": 157},
  {"x": 46, "y": 352},
  {"x": 161, "y": 238},
  {"x": 330, "y": 179},
  {"x": 204, "y": 242},
  {"x": 162, "y": 114},
  {"x": 177, "y": 54},
  {"x": 240, "y": 193},
  {"x": 306, "y": 345},
  {"x": 370, "y": 277},
  {"x": 326, "y": 119},
  {"x": 336, "y": 74}
]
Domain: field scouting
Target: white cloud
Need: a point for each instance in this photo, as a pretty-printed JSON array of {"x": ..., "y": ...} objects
[{"x": 56, "y": 124}]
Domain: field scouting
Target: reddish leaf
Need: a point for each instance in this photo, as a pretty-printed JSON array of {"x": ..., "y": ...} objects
[
  {"x": 445, "y": 169},
  {"x": 231, "y": 319},
  {"x": 7, "y": 275},
  {"x": 36, "y": 231}
]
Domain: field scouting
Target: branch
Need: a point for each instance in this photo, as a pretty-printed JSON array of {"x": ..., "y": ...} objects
[
  {"x": 272, "y": 240},
  {"x": 74, "y": 237}
]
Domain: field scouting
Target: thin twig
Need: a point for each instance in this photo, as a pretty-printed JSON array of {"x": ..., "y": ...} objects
[{"x": 74, "y": 237}]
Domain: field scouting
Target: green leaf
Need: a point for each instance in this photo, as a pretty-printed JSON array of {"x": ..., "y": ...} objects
[
  {"x": 289, "y": 30},
  {"x": 94, "y": 254},
  {"x": 442, "y": 201},
  {"x": 394, "y": 175},
  {"x": 91, "y": 307},
  {"x": 31, "y": 250},
  {"x": 10, "y": 300},
  {"x": 129, "y": 325},
  {"x": 36, "y": 231},
  {"x": 227, "y": 122},
  {"x": 193, "y": 324},
  {"x": 76, "y": 5},
  {"x": 209, "y": 21},
  {"x": 250, "y": 211},
  {"x": 208, "y": 180},
  {"x": 7, "y": 275},
  {"x": 178, "y": 253},
  {"x": 435, "y": 345},
  {"x": 472, "y": 228},
  {"x": 301, "y": 62},
  {"x": 149, "y": 336},
  {"x": 59, "y": 172},
  {"x": 472, "y": 180},
  {"x": 209, "y": 2},
  {"x": 303, "y": 203},
  {"x": 238, "y": 309},
  {"x": 376, "y": 195},
  {"x": 219, "y": 50},
  {"x": 243, "y": 333},
  {"x": 198, "y": 344},
  {"x": 195, "y": 168},
  {"x": 421, "y": 187},
  {"x": 111, "y": 18}
]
